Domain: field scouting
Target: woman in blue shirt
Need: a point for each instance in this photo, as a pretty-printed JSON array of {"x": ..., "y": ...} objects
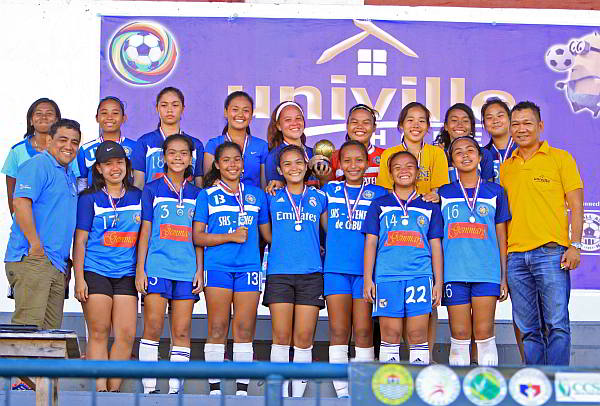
[{"x": 104, "y": 256}]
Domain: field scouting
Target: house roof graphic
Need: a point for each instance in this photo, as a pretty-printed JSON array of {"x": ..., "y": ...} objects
[{"x": 368, "y": 28}]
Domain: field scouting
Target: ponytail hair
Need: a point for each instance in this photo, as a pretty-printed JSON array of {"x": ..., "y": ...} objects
[
  {"x": 274, "y": 135},
  {"x": 211, "y": 177},
  {"x": 166, "y": 90},
  {"x": 98, "y": 181},
  {"x": 189, "y": 171},
  {"x": 229, "y": 99}
]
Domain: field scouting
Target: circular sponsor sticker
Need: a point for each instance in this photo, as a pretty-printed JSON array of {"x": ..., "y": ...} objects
[
  {"x": 392, "y": 384},
  {"x": 250, "y": 199},
  {"x": 485, "y": 386},
  {"x": 367, "y": 194},
  {"x": 530, "y": 387},
  {"x": 437, "y": 385}
]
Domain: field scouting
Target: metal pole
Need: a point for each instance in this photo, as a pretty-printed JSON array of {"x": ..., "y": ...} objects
[{"x": 273, "y": 390}]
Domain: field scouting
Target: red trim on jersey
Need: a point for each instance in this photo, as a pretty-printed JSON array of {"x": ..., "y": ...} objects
[{"x": 372, "y": 170}]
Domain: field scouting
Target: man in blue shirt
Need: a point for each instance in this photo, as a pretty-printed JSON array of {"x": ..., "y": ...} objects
[{"x": 45, "y": 204}]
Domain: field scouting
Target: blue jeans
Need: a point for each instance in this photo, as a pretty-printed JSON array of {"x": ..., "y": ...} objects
[{"x": 533, "y": 273}]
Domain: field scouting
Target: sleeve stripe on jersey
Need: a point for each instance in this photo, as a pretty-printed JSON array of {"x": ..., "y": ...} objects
[
  {"x": 490, "y": 201},
  {"x": 102, "y": 210},
  {"x": 387, "y": 209},
  {"x": 158, "y": 200},
  {"x": 226, "y": 208},
  {"x": 331, "y": 199},
  {"x": 150, "y": 151}
]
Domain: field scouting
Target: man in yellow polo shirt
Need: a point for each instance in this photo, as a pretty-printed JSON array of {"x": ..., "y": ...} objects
[{"x": 541, "y": 182}]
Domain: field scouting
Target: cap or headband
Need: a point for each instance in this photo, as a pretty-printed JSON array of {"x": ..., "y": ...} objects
[
  {"x": 363, "y": 107},
  {"x": 284, "y": 105},
  {"x": 109, "y": 149}
]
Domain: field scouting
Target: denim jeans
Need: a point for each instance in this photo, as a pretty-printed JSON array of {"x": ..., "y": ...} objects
[{"x": 533, "y": 273}]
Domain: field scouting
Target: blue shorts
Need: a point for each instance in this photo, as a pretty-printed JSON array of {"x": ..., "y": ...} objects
[
  {"x": 235, "y": 281},
  {"x": 343, "y": 284},
  {"x": 403, "y": 298},
  {"x": 170, "y": 289},
  {"x": 459, "y": 293}
]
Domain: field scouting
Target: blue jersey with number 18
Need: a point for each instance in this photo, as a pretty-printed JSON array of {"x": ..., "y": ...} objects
[
  {"x": 344, "y": 249},
  {"x": 171, "y": 252},
  {"x": 403, "y": 250},
  {"x": 220, "y": 211}
]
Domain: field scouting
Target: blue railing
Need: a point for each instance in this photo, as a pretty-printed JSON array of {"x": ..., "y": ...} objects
[{"x": 272, "y": 373}]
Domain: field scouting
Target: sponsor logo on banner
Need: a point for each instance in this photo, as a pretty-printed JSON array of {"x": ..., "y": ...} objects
[
  {"x": 404, "y": 238},
  {"x": 120, "y": 239},
  {"x": 577, "y": 387},
  {"x": 467, "y": 230},
  {"x": 175, "y": 233},
  {"x": 392, "y": 384},
  {"x": 142, "y": 53},
  {"x": 485, "y": 386},
  {"x": 437, "y": 385},
  {"x": 530, "y": 387},
  {"x": 590, "y": 239}
]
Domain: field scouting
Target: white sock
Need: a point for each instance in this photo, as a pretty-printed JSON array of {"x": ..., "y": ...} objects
[
  {"x": 214, "y": 353},
  {"x": 459, "y": 352},
  {"x": 364, "y": 354},
  {"x": 242, "y": 352},
  {"x": 178, "y": 354},
  {"x": 389, "y": 352},
  {"x": 148, "y": 352},
  {"x": 419, "y": 353},
  {"x": 281, "y": 353},
  {"x": 338, "y": 354},
  {"x": 487, "y": 352},
  {"x": 301, "y": 355}
]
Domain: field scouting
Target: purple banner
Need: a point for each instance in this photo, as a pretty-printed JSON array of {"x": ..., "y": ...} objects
[{"x": 330, "y": 65}]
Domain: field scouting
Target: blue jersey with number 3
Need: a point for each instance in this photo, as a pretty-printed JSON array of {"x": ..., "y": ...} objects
[
  {"x": 220, "y": 211},
  {"x": 344, "y": 250},
  {"x": 171, "y": 252},
  {"x": 471, "y": 252},
  {"x": 403, "y": 250}
]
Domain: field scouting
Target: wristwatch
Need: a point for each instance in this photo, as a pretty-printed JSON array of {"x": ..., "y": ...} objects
[{"x": 576, "y": 245}]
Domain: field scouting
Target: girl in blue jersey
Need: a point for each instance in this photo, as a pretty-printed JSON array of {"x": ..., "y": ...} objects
[
  {"x": 104, "y": 257},
  {"x": 402, "y": 246},
  {"x": 347, "y": 204},
  {"x": 294, "y": 289},
  {"x": 239, "y": 107},
  {"x": 169, "y": 267},
  {"x": 459, "y": 122},
  {"x": 495, "y": 114},
  {"x": 287, "y": 128},
  {"x": 40, "y": 116},
  {"x": 475, "y": 214},
  {"x": 229, "y": 215},
  {"x": 147, "y": 159},
  {"x": 110, "y": 116}
]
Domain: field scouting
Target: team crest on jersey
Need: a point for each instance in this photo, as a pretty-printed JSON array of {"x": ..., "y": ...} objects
[
  {"x": 312, "y": 201},
  {"x": 483, "y": 211},
  {"x": 421, "y": 220},
  {"x": 383, "y": 303},
  {"x": 367, "y": 194},
  {"x": 377, "y": 160},
  {"x": 137, "y": 218},
  {"x": 191, "y": 213},
  {"x": 251, "y": 199},
  {"x": 127, "y": 150}
]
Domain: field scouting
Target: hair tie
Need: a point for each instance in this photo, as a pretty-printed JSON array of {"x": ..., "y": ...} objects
[{"x": 284, "y": 105}]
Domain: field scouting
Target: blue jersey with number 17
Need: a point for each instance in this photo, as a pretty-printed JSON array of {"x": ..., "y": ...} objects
[
  {"x": 148, "y": 156},
  {"x": 344, "y": 249},
  {"x": 220, "y": 211},
  {"x": 403, "y": 251},
  {"x": 471, "y": 252},
  {"x": 296, "y": 252},
  {"x": 171, "y": 252}
]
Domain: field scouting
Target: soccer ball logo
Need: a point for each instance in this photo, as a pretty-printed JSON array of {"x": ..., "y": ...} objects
[
  {"x": 142, "y": 53},
  {"x": 590, "y": 240},
  {"x": 559, "y": 58}
]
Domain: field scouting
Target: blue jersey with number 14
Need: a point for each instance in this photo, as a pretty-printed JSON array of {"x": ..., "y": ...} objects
[
  {"x": 171, "y": 252},
  {"x": 344, "y": 250},
  {"x": 220, "y": 211}
]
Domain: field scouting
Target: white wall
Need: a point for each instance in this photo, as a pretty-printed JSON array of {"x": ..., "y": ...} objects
[{"x": 51, "y": 48}]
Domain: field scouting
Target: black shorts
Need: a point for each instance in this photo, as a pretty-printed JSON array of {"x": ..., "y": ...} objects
[
  {"x": 103, "y": 285},
  {"x": 300, "y": 289}
]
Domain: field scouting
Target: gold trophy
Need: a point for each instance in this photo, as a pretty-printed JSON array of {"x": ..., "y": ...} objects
[{"x": 326, "y": 149}]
